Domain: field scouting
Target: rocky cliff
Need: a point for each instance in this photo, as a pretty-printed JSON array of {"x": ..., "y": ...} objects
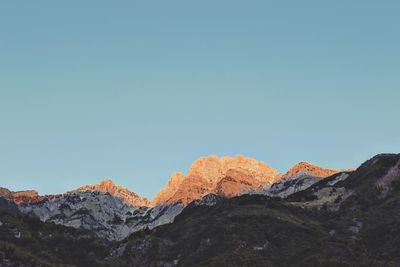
[{"x": 225, "y": 176}]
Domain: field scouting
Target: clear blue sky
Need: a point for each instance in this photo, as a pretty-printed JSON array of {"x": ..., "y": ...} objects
[{"x": 134, "y": 90}]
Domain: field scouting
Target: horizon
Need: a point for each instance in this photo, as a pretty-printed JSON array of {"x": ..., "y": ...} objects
[
  {"x": 136, "y": 91},
  {"x": 187, "y": 172}
]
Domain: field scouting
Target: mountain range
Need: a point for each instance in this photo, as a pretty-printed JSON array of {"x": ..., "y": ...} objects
[
  {"x": 225, "y": 176},
  {"x": 114, "y": 212},
  {"x": 229, "y": 211}
]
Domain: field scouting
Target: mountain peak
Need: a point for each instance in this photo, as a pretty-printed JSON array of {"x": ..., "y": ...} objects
[
  {"x": 213, "y": 168},
  {"x": 226, "y": 175},
  {"x": 109, "y": 186},
  {"x": 21, "y": 197},
  {"x": 176, "y": 179},
  {"x": 304, "y": 167}
]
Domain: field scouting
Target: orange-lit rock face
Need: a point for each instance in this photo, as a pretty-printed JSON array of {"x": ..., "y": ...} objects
[
  {"x": 213, "y": 168},
  {"x": 307, "y": 168},
  {"x": 109, "y": 186},
  {"x": 236, "y": 182},
  {"x": 166, "y": 195},
  {"x": 26, "y": 197},
  {"x": 31, "y": 196},
  {"x": 190, "y": 189},
  {"x": 22, "y": 197},
  {"x": 225, "y": 176}
]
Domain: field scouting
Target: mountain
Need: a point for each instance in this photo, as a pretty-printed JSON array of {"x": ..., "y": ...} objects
[
  {"x": 299, "y": 177},
  {"x": 350, "y": 218},
  {"x": 347, "y": 219},
  {"x": 107, "y": 215},
  {"x": 226, "y": 176},
  {"x": 119, "y": 191},
  {"x": 368, "y": 184},
  {"x": 305, "y": 168},
  {"x": 31, "y": 196},
  {"x": 22, "y": 197},
  {"x": 113, "y": 212}
]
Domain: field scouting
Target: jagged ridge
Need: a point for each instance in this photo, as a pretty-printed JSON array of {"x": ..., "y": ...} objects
[{"x": 119, "y": 191}]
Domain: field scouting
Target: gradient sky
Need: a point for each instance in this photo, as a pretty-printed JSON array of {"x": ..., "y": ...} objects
[{"x": 134, "y": 90}]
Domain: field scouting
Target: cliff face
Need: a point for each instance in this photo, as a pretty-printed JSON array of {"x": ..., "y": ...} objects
[
  {"x": 166, "y": 194},
  {"x": 214, "y": 169},
  {"x": 119, "y": 191},
  {"x": 237, "y": 181},
  {"x": 226, "y": 176}
]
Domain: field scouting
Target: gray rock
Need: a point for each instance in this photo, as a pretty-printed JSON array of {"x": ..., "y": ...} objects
[{"x": 106, "y": 215}]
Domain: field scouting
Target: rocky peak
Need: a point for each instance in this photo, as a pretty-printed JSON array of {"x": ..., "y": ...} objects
[
  {"x": 26, "y": 197},
  {"x": 32, "y": 196},
  {"x": 107, "y": 185},
  {"x": 209, "y": 168},
  {"x": 176, "y": 180},
  {"x": 305, "y": 168},
  {"x": 119, "y": 191},
  {"x": 216, "y": 175},
  {"x": 213, "y": 168},
  {"x": 21, "y": 197}
]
